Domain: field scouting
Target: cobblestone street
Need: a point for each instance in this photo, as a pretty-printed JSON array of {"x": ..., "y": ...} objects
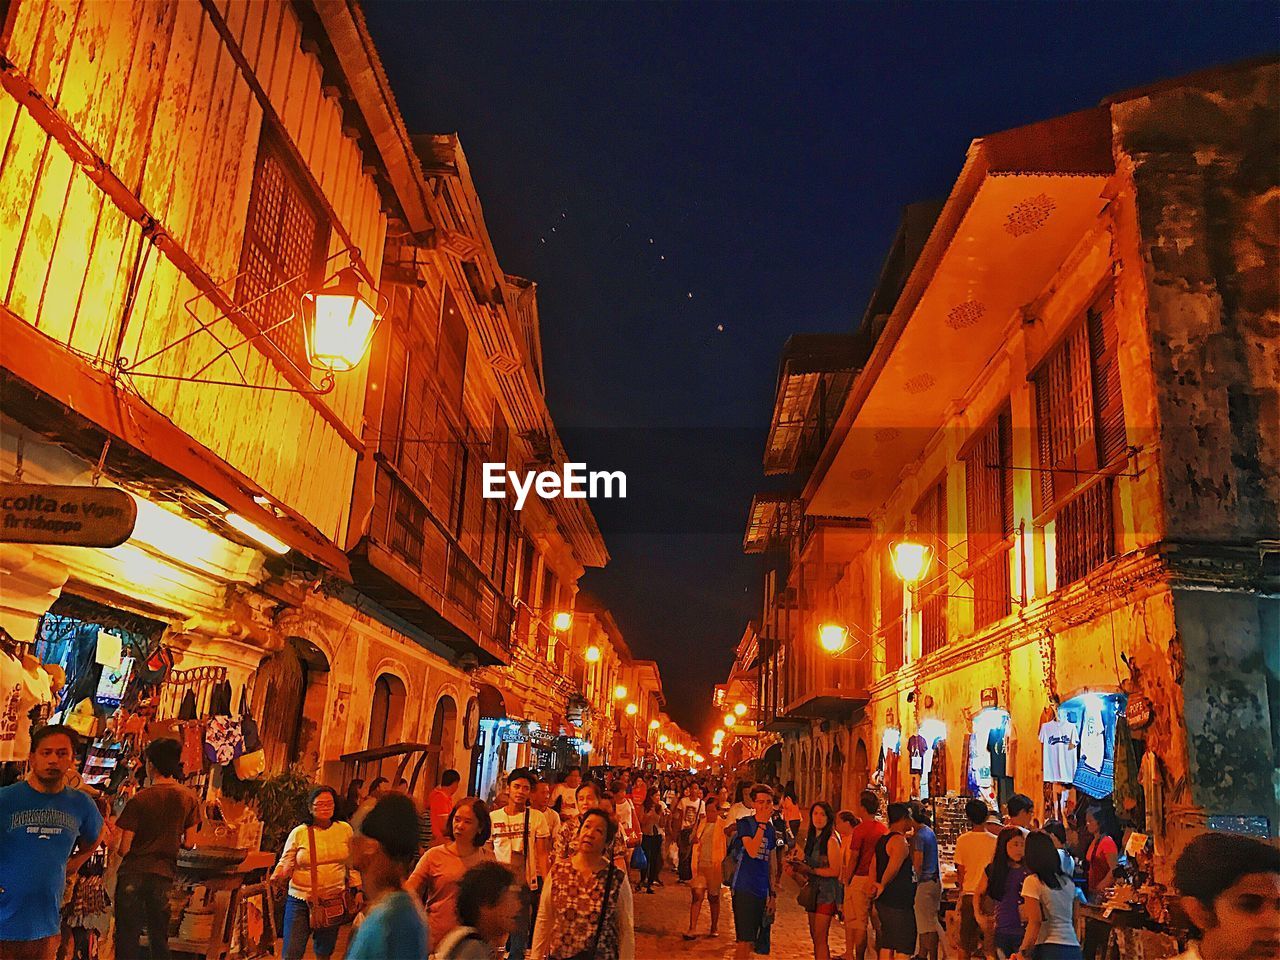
[{"x": 662, "y": 917}]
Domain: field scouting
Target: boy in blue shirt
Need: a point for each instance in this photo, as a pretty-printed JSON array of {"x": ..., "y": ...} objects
[
  {"x": 47, "y": 832},
  {"x": 753, "y": 892}
]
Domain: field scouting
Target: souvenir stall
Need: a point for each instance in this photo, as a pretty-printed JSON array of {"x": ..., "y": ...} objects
[
  {"x": 988, "y": 768},
  {"x": 108, "y": 674}
]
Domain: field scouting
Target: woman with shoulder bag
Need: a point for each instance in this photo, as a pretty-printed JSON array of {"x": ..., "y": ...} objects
[
  {"x": 314, "y": 862},
  {"x": 586, "y": 911},
  {"x": 819, "y": 870}
]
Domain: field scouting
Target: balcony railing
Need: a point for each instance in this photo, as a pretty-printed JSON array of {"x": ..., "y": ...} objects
[{"x": 448, "y": 579}]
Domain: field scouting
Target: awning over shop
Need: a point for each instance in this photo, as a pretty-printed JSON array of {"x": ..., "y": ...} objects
[{"x": 495, "y": 703}]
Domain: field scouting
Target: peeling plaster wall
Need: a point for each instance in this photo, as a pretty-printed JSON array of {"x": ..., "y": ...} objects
[{"x": 1203, "y": 163}]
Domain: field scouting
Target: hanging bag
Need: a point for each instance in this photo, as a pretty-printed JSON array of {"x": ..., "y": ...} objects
[
  {"x": 328, "y": 911},
  {"x": 604, "y": 909}
]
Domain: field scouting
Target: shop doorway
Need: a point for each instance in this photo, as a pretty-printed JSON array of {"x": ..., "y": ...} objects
[
  {"x": 444, "y": 731},
  {"x": 386, "y": 716},
  {"x": 288, "y": 698}
]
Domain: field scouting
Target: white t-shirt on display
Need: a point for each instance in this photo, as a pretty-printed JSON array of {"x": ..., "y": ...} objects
[
  {"x": 20, "y": 691},
  {"x": 975, "y": 849},
  {"x": 1061, "y": 748}
]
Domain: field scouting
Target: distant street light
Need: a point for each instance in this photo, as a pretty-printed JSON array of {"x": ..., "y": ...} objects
[
  {"x": 740, "y": 709},
  {"x": 619, "y": 692},
  {"x": 593, "y": 654}
]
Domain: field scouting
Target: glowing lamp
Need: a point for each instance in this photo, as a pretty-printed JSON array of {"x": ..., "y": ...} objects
[
  {"x": 593, "y": 654},
  {"x": 715, "y": 751},
  {"x": 256, "y": 533},
  {"x": 911, "y": 560},
  {"x": 832, "y": 637},
  {"x": 699, "y": 758},
  {"x": 562, "y": 621},
  {"x": 718, "y": 736},
  {"x": 654, "y": 724},
  {"x": 339, "y": 323},
  {"x": 619, "y": 692},
  {"x": 664, "y": 739},
  {"x": 632, "y": 709},
  {"x": 729, "y": 719},
  {"x": 740, "y": 709}
]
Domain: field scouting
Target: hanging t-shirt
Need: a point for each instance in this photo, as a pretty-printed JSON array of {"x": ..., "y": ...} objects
[
  {"x": 998, "y": 748},
  {"x": 916, "y": 747},
  {"x": 21, "y": 691},
  {"x": 1093, "y": 735},
  {"x": 1060, "y": 747}
]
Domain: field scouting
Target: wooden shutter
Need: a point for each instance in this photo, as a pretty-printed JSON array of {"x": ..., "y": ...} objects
[
  {"x": 1108, "y": 401},
  {"x": 891, "y": 616},
  {"x": 1064, "y": 414},
  {"x": 393, "y": 385},
  {"x": 285, "y": 241},
  {"x": 931, "y": 518},
  {"x": 451, "y": 354}
]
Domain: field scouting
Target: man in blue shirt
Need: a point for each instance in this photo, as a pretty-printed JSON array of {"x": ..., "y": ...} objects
[
  {"x": 924, "y": 863},
  {"x": 753, "y": 893},
  {"x": 47, "y": 831}
]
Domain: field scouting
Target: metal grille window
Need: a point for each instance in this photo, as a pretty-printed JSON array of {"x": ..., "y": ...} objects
[
  {"x": 931, "y": 518},
  {"x": 285, "y": 240},
  {"x": 1080, "y": 421},
  {"x": 989, "y": 512}
]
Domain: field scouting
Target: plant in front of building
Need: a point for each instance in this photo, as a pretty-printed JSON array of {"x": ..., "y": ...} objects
[{"x": 282, "y": 803}]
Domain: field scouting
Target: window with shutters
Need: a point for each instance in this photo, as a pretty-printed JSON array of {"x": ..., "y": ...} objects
[
  {"x": 989, "y": 515},
  {"x": 931, "y": 520},
  {"x": 891, "y": 615},
  {"x": 1081, "y": 430},
  {"x": 451, "y": 355},
  {"x": 283, "y": 253}
]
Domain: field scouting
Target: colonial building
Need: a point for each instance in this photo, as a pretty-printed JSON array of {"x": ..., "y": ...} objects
[
  {"x": 1038, "y": 550},
  {"x": 180, "y": 185}
]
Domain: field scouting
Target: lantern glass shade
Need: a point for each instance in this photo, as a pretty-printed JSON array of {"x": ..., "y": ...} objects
[
  {"x": 729, "y": 719},
  {"x": 654, "y": 724},
  {"x": 632, "y": 709},
  {"x": 619, "y": 692},
  {"x": 832, "y": 637},
  {"x": 339, "y": 323},
  {"x": 562, "y": 621},
  {"x": 718, "y": 736},
  {"x": 593, "y": 654},
  {"x": 715, "y": 751},
  {"x": 911, "y": 560},
  {"x": 664, "y": 739},
  {"x": 740, "y": 709}
]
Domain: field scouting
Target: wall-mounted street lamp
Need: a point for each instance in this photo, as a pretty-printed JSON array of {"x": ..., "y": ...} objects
[
  {"x": 632, "y": 709},
  {"x": 833, "y": 636},
  {"x": 620, "y": 692},
  {"x": 654, "y": 724},
  {"x": 593, "y": 654},
  {"x": 730, "y": 719},
  {"x": 911, "y": 560},
  {"x": 739, "y": 709},
  {"x": 663, "y": 740},
  {"x": 717, "y": 737},
  {"x": 338, "y": 323}
]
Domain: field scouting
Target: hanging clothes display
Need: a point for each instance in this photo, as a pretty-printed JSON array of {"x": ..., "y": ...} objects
[
  {"x": 916, "y": 749},
  {"x": 938, "y": 769},
  {"x": 1060, "y": 746},
  {"x": 998, "y": 747}
]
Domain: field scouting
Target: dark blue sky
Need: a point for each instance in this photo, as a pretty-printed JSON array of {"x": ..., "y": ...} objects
[{"x": 662, "y": 169}]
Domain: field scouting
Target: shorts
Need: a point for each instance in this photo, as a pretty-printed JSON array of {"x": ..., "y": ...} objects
[
  {"x": 748, "y": 916},
  {"x": 709, "y": 878},
  {"x": 857, "y": 901},
  {"x": 897, "y": 929},
  {"x": 927, "y": 906}
]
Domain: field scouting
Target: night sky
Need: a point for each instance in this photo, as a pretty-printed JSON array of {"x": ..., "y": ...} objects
[{"x": 689, "y": 184}]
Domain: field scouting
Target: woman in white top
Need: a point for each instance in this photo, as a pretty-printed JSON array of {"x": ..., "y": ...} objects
[
  {"x": 324, "y": 843},
  {"x": 1048, "y": 905}
]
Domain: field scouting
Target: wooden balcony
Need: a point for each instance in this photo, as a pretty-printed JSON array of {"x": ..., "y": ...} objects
[{"x": 411, "y": 564}]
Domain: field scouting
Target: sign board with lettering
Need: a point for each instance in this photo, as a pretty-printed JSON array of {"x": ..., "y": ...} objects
[
  {"x": 72, "y": 516},
  {"x": 990, "y": 697}
]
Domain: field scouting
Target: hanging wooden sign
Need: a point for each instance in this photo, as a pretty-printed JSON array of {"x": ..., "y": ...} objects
[{"x": 72, "y": 516}]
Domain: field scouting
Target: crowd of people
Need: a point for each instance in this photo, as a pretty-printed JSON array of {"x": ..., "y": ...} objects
[{"x": 550, "y": 871}]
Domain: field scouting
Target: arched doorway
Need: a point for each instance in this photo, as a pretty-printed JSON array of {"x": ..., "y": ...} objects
[
  {"x": 444, "y": 731},
  {"x": 860, "y": 765},
  {"x": 386, "y": 715},
  {"x": 287, "y": 701}
]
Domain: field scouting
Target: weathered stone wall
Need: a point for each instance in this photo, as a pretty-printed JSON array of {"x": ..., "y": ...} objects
[{"x": 1201, "y": 159}]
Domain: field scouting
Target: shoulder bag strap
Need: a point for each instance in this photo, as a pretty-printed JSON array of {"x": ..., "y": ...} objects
[
  {"x": 604, "y": 908},
  {"x": 315, "y": 881}
]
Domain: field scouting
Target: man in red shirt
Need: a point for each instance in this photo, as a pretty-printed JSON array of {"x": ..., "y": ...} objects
[
  {"x": 858, "y": 874},
  {"x": 441, "y": 800}
]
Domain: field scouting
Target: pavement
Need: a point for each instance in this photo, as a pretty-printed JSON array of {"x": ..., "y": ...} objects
[{"x": 663, "y": 916}]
